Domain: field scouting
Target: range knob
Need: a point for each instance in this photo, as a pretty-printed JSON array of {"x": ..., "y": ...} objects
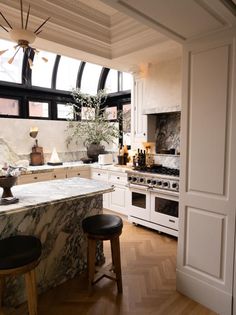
[
  {"x": 175, "y": 185},
  {"x": 134, "y": 179},
  {"x": 141, "y": 180},
  {"x": 165, "y": 184},
  {"x": 129, "y": 178},
  {"x": 154, "y": 182},
  {"x": 159, "y": 182},
  {"x": 149, "y": 181}
]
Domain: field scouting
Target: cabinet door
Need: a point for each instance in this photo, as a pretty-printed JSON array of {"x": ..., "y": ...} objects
[
  {"x": 140, "y": 120},
  {"x": 118, "y": 199},
  {"x": 78, "y": 173},
  {"x": 106, "y": 200}
]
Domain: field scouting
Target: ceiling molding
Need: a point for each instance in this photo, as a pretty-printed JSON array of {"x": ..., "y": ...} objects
[
  {"x": 146, "y": 38},
  {"x": 120, "y": 5}
]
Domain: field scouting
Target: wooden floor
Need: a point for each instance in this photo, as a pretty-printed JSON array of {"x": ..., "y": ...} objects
[{"x": 149, "y": 283}]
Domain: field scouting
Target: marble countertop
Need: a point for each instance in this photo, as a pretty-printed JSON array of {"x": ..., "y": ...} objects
[
  {"x": 38, "y": 194},
  {"x": 78, "y": 164}
]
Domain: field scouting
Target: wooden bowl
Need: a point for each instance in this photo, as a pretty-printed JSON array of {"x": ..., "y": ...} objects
[{"x": 6, "y": 182}]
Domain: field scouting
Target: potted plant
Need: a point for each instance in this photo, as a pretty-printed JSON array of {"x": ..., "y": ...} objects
[{"x": 92, "y": 124}]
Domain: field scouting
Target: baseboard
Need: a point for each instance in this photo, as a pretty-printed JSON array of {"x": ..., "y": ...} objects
[{"x": 203, "y": 293}]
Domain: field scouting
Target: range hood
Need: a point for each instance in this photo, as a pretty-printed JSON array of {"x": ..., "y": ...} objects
[{"x": 161, "y": 109}]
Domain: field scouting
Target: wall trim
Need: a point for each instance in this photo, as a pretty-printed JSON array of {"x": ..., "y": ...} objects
[{"x": 205, "y": 294}]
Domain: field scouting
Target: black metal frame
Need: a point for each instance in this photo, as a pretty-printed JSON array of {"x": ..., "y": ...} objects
[{"x": 25, "y": 92}]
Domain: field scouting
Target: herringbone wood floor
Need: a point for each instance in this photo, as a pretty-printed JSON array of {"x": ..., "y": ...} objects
[{"x": 149, "y": 279}]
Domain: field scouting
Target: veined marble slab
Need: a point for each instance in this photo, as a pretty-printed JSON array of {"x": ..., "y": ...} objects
[
  {"x": 38, "y": 194},
  {"x": 53, "y": 211}
]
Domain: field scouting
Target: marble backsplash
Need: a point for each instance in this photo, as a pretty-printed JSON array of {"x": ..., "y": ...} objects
[
  {"x": 172, "y": 161},
  {"x": 168, "y": 132}
]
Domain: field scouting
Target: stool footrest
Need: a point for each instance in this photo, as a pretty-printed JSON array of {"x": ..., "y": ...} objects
[{"x": 107, "y": 272}]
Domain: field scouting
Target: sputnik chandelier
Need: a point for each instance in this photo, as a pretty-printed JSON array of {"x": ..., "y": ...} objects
[{"x": 22, "y": 36}]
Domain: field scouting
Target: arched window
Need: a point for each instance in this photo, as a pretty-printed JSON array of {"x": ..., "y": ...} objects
[
  {"x": 41, "y": 70},
  {"x": 111, "y": 85},
  {"x": 67, "y": 73},
  {"x": 10, "y": 72},
  {"x": 90, "y": 78},
  {"x": 127, "y": 81}
]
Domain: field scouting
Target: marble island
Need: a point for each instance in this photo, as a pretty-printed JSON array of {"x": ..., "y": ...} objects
[
  {"x": 48, "y": 192},
  {"x": 53, "y": 211}
]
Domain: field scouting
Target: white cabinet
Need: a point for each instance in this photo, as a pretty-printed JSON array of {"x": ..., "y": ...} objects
[
  {"x": 143, "y": 126},
  {"x": 139, "y": 120},
  {"x": 118, "y": 198},
  {"x": 101, "y": 175}
]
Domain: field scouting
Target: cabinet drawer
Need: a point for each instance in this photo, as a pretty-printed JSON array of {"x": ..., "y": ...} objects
[
  {"x": 165, "y": 220},
  {"x": 58, "y": 174},
  {"x": 99, "y": 175},
  {"x": 118, "y": 178},
  {"x": 31, "y": 178},
  {"x": 78, "y": 173}
]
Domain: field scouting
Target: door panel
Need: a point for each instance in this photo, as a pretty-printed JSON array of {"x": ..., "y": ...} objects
[{"x": 208, "y": 173}]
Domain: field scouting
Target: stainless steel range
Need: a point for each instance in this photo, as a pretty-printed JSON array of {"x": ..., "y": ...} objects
[{"x": 153, "y": 199}]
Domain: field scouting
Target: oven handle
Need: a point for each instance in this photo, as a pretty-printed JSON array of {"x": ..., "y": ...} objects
[
  {"x": 164, "y": 192},
  {"x": 143, "y": 188}
]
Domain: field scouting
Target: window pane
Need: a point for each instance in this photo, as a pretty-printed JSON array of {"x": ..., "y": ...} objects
[
  {"x": 90, "y": 77},
  {"x": 111, "y": 113},
  {"x": 65, "y": 111},
  {"x": 10, "y": 72},
  {"x": 41, "y": 70},
  {"x": 9, "y": 107},
  {"x": 87, "y": 113},
  {"x": 38, "y": 109},
  {"x": 111, "y": 85},
  {"x": 127, "y": 124},
  {"x": 67, "y": 73},
  {"x": 127, "y": 81}
]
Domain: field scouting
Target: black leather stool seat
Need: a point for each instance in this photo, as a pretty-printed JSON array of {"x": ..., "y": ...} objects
[
  {"x": 17, "y": 251},
  {"x": 102, "y": 224}
]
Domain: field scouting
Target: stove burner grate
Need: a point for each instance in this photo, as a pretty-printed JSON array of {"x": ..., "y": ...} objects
[{"x": 159, "y": 169}]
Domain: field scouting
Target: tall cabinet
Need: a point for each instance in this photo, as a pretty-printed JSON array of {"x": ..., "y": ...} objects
[
  {"x": 143, "y": 126},
  {"x": 139, "y": 121},
  {"x": 205, "y": 264}
]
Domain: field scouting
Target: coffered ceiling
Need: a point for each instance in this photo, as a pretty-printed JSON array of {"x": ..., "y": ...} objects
[{"x": 120, "y": 33}]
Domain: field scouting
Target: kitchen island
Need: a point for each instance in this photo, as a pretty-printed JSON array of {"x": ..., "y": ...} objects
[{"x": 53, "y": 211}]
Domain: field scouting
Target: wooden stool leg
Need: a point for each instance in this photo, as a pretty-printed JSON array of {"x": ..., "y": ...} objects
[
  {"x": 91, "y": 261},
  {"x": 2, "y": 285},
  {"x": 31, "y": 292},
  {"x": 115, "y": 249}
]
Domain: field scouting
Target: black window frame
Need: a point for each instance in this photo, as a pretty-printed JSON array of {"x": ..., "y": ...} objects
[{"x": 25, "y": 92}]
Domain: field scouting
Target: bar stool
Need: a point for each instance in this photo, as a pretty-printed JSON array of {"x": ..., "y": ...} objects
[
  {"x": 103, "y": 227},
  {"x": 20, "y": 255}
]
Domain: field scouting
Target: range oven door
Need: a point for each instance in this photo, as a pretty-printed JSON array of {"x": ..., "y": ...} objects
[
  {"x": 165, "y": 210},
  {"x": 139, "y": 202}
]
